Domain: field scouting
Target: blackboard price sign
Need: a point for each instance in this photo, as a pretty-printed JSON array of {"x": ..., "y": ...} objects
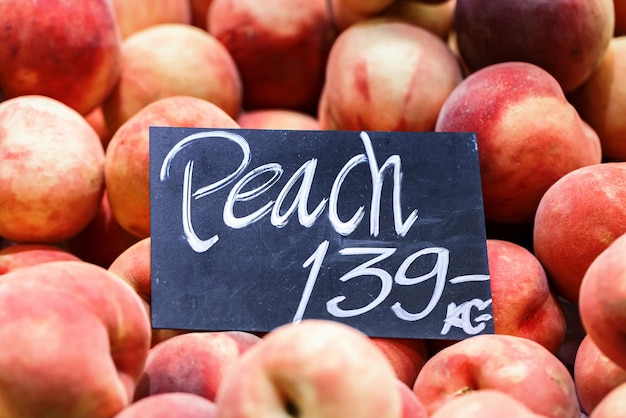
[{"x": 383, "y": 231}]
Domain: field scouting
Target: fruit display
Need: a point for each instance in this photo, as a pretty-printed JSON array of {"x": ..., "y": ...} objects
[{"x": 541, "y": 83}]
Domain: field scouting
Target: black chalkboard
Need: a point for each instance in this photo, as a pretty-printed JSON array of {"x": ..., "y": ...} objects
[{"x": 384, "y": 231}]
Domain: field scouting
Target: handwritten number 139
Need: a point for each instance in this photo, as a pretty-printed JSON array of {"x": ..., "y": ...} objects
[{"x": 439, "y": 272}]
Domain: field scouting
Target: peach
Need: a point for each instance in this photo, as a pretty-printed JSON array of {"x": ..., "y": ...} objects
[
  {"x": 595, "y": 375},
  {"x": 127, "y": 162},
  {"x": 79, "y": 340},
  {"x": 196, "y": 362},
  {"x": 517, "y": 366},
  {"x": 612, "y": 405},
  {"x": 155, "y": 66},
  {"x": 103, "y": 239},
  {"x": 602, "y": 301},
  {"x": 486, "y": 403},
  {"x": 529, "y": 136},
  {"x": 577, "y": 218},
  {"x": 490, "y": 32},
  {"x": 602, "y": 98},
  {"x": 316, "y": 368},
  {"x": 277, "y": 119},
  {"x": 523, "y": 303},
  {"x": 52, "y": 171},
  {"x": 41, "y": 54},
  {"x": 18, "y": 256},
  {"x": 280, "y": 48},
  {"x": 135, "y": 15},
  {"x": 388, "y": 75},
  {"x": 184, "y": 405},
  {"x": 406, "y": 355}
]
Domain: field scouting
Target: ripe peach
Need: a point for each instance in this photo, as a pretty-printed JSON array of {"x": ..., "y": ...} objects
[
  {"x": 127, "y": 163},
  {"x": 155, "y": 66},
  {"x": 52, "y": 171},
  {"x": 280, "y": 48},
  {"x": 529, "y": 136},
  {"x": 196, "y": 362},
  {"x": 523, "y": 302},
  {"x": 315, "y": 368},
  {"x": 517, "y": 366},
  {"x": 43, "y": 54},
  {"x": 79, "y": 340},
  {"x": 385, "y": 74},
  {"x": 490, "y": 32},
  {"x": 577, "y": 218}
]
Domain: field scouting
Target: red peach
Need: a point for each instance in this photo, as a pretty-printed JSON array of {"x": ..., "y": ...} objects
[
  {"x": 490, "y": 32},
  {"x": 529, "y": 136},
  {"x": 280, "y": 48},
  {"x": 196, "y": 362},
  {"x": 523, "y": 302},
  {"x": 517, "y": 366},
  {"x": 42, "y": 53},
  {"x": 577, "y": 218}
]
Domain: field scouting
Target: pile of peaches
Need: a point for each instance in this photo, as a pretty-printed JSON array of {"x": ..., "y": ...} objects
[{"x": 541, "y": 83}]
